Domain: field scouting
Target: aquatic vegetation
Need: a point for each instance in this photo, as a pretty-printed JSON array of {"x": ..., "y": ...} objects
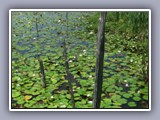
[{"x": 123, "y": 80}]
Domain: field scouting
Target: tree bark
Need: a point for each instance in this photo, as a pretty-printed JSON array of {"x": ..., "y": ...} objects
[{"x": 99, "y": 61}]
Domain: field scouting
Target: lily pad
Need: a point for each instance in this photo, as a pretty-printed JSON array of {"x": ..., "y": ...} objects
[
  {"x": 52, "y": 105},
  {"x": 29, "y": 104},
  {"x": 115, "y": 97},
  {"x": 15, "y": 93},
  {"x": 122, "y": 101},
  {"x": 54, "y": 81},
  {"x": 107, "y": 101},
  {"x": 131, "y": 104},
  {"x": 126, "y": 95},
  {"x": 27, "y": 97},
  {"x": 136, "y": 94},
  {"x": 81, "y": 91},
  {"x": 136, "y": 98},
  {"x": 145, "y": 97},
  {"x": 83, "y": 82},
  {"x": 21, "y": 101}
]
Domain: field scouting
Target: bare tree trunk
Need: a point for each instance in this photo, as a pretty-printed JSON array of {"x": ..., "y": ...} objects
[
  {"x": 40, "y": 61},
  {"x": 42, "y": 72},
  {"x": 147, "y": 74},
  {"x": 67, "y": 67},
  {"x": 99, "y": 61},
  {"x": 69, "y": 75}
]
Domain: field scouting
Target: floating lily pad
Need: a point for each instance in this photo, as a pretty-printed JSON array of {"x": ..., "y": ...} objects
[
  {"x": 131, "y": 104},
  {"x": 29, "y": 104},
  {"x": 83, "y": 82},
  {"x": 115, "y": 97},
  {"x": 27, "y": 97},
  {"x": 78, "y": 104},
  {"x": 52, "y": 105},
  {"x": 136, "y": 94},
  {"x": 136, "y": 98},
  {"x": 105, "y": 105},
  {"x": 107, "y": 101},
  {"x": 21, "y": 101},
  {"x": 110, "y": 89},
  {"x": 122, "y": 101},
  {"x": 15, "y": 93},
  {"x": 117, "y": 104},
  {"x": 81, "y": 91},
  {"x": 84, "y": 102},
  {"x": 145, "y": 97},
  {"x": 126, "y": 95}
]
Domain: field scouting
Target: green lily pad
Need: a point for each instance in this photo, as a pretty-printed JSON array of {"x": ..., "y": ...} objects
[
  {"x": 15, "y": 93},
  {"x": 145, "y": 97},
  {"x": 136, "y": 94},
  {"x": 27, "y": 91},
  {"x": 52, "y": 105},
  {"x": 133, "y": 88},
  {"x": 83, "y": 82},
  {"x": 81, "y": 91},
  {"x": 36, "y": 93},
  {"x": 117, "y": 104},
  {"x": 29, "y": 104},
  {"x": 54, "y": 81},
  {"x": 144, "y": 90},
  {"x": 28, "y": 85},
  {"x": 107, "y": 101},
  {"x": 115, "y": 97},
  {"x": 126, "y": 95},
  {"x": 83, "y": 102},
  {"x": 110, "y": 89},
  {"x": 21, "y": 101},
  {"x": 107, "y": 106},
  {"x": 78, "y": 104},
  {"x": 122, "y": 101},
  {"x": 131, "y": 104},
  {"x": 68, "y": 96},
  {"x": 136, "y": 98}
]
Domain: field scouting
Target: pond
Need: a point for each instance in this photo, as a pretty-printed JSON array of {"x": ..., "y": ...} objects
[{"x": 123, "y": 86}]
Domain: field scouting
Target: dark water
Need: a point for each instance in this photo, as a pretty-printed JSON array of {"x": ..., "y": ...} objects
[{"x": 52, "y": 38}]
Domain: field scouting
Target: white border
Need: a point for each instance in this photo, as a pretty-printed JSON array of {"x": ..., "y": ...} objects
[{"x": 91, "y": 10}]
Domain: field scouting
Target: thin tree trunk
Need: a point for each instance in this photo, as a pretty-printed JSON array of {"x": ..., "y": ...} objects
[
  {"x": 147, "y": 74},
  {"x": 67, "y": 67},
  {"x": 99, "y": 61},
  {"x": 69, "y": 76},
  {"x": 42, "y": 72},
  {"x": 40, "y": 61}
]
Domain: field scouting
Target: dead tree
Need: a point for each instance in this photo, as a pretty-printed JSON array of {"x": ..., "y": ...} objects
[
  {"x": 67, "y": 66},
  {"x": 99, "y": 61},
  {"x": 38, "y": 56}
]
